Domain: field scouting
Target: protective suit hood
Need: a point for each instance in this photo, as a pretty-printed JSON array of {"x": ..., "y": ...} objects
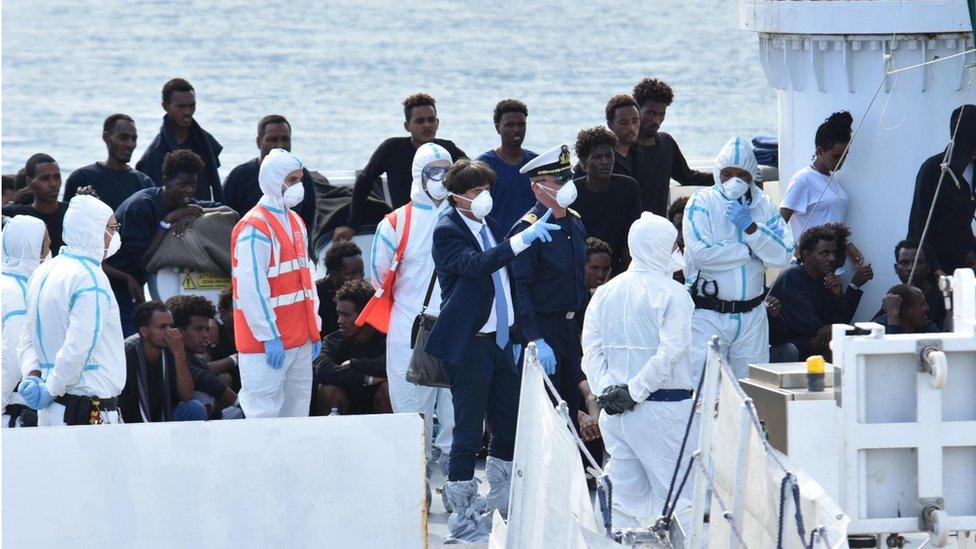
[
  {"x": 23, "y": 239},
  {"x": 737, "y": 154},
  {"x": 651, "y": 240},
  {"x": 426, "y": 153},
  {"x": 965, "y": 147},
  {"x": 275, "y": 167},
  {"x": 84, "y": 226}
]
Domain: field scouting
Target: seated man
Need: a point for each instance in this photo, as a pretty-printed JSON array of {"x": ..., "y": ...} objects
[
  {"x": 343, "y": 262},
  {"x": 223, "y": 350},
  {"x": 350, "y": 373},
  {"x": 146, "y": 217},
  {"x": 158, "y": 384},
  {"x": 924, "y": 278},
  {"x": 812, "y": 296},
  {"x": 192, "y": 315},
  {"x": 906, "y": 312}
]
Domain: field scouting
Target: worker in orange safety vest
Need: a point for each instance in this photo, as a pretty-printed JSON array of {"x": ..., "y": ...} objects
[{"x": 276, "y": 322}]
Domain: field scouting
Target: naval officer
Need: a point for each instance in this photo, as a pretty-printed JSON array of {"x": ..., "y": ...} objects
[{"x": 550, "y": 282}]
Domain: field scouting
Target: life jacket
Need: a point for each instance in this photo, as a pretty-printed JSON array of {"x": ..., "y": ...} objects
[
  {"x": 289, "y": 277},
  {"x": 378, "y": 310}
]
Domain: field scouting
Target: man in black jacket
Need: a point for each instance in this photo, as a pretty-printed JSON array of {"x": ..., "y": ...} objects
[
  {"x": 180, "y": 131},
  {"x": 394, "y": 157},
  {"x": 950, "y": 232},
  {"x": 350, "y": 373},
  {"x": 660, "y": 158}
]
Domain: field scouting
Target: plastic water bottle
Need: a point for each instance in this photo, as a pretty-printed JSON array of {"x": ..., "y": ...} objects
[{"x": 335, "y": 411}]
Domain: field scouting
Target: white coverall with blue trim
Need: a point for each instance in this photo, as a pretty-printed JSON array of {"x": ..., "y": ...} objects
[
  {"x": 717, "y": 251},
  {"x": 72, "y": 331},
  {"x": 23, "y": 239},
  {"x": 265, "y": 391},
  {"x": 413, "y": 277}
]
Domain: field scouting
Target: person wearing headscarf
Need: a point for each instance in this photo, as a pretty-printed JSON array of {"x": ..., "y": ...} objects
[
  {"x": 636, "y": 340},
  {"x": 732, "y": 233},
  {"x": 73, "y": 334},
  {"x": 276, "y": 321},
  {"x": 25, "y": 245},
  {"x": 412, "y": 275}
]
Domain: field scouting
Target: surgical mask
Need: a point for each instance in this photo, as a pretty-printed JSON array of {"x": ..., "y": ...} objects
[
  {"x": 734, "y": 188},
  {"x": 480, "y": 206},
  {"x": 434, "y": 179},
  {"x": 293, "y": 195},
  {"x": 113, "y": 245},
  {"x": 677, "y": 262},
  {"x": 565, "y": 196}
]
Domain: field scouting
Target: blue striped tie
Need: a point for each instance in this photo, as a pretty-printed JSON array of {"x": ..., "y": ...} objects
[{"x": 501, "y": 306}]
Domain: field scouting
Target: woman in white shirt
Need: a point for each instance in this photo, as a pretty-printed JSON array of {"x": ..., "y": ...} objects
[{"x": 809, "y": 200}]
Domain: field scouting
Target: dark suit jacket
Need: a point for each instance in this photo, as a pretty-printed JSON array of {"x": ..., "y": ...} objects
[{"x": 467, "y": 291}]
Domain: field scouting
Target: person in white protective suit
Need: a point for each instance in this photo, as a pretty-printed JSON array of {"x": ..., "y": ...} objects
[
  {"x": 72, "y": 333},
  {"x": 636, "y": 338},
  {"x": 413, "y": 275},
  {"x": 25, "y": 244},
  {"x": 732, "y": 233},
  {"x": 276, "y": 320}
]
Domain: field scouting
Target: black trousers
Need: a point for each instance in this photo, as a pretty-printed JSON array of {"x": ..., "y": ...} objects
[
  {"x": 485, "y": 385},
  {"x": 563, "y": 336}
]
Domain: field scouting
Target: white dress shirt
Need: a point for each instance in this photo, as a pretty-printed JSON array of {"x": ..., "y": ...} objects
[{"x": 518, "y": 246}]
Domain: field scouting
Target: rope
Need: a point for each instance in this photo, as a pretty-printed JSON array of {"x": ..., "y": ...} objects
[
  {"x": 681, "y": 487},
  {"x": 604, "y": 494},
  {"x": 726, "y": 514},
  {"x": 945, "y": 168},
  {"x": 681, "y": 453},
  {"x": 782, "y": 508},
  {"x": 931, "y": 62}
]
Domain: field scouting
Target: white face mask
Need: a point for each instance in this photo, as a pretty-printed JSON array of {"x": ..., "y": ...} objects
[
  {"x": 734, "y": 188},
  {"x": 677, "y": 261},
  {"x": 293, "y": 195},
  {"x": 113, "y": 245},
  {"x": 480, "y": 206},
  {"x": 436, "y": 189},
  {"x": 565, "y": 196}
]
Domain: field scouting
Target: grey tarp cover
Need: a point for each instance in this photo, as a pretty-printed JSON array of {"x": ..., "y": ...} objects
[{"x": 204, "y": 247}]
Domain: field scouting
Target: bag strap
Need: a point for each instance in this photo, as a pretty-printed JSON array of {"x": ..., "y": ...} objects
[
  {"x": 404, "y": 236},
  {"x": 430, "y": 291}
]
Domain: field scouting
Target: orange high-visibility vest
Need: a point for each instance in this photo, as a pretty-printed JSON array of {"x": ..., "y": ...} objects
[
  {"x": 290, "y": 278},
  {"x": 378, "y": 310}
]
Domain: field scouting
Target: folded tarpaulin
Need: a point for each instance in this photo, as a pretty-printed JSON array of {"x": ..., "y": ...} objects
[
  {"x": 204, "y": 247},
  {"x": 332, "y": 210}
]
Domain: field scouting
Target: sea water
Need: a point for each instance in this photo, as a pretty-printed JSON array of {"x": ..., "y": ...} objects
[{"x": 338, "y": 71}]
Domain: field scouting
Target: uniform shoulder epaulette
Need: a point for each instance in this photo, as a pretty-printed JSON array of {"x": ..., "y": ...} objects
[
  {"x": 574, "y": 212},
  {"x": 530, "y": 218}
]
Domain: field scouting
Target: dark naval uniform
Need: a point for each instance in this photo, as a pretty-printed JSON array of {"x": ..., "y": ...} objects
[{"x": 550, "y": 289}]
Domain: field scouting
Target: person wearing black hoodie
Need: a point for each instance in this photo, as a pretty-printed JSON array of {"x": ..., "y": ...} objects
[
  {"x": 181, "y": 131},
  {"x": 950, "y": 232}
]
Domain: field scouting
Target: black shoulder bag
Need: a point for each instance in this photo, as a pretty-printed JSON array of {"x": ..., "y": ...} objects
[{"x": 425, "y": 369}]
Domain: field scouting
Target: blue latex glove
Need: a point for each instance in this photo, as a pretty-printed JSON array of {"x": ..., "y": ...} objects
[
  {"x": 738, "y": 214},
  {"x": 316, "y": 349},
  {"x": 546, "y": 356},
  {"x": 274, "y": 350},
  {"x": 540, "y": 229},
  {"x": 34, "y": 392},
  {"x": 517, "y": 352}
]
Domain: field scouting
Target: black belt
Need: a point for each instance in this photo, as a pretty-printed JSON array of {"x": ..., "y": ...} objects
[
  {"x": 27, "y": 416},
  {"x": 670, "y": 395},
  {"x": 727, "y": 307},
  {"x": 103, "y": 404},
  {"x": 489, "y": 334}
]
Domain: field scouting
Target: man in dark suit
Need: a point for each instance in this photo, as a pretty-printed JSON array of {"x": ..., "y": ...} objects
[{"x": 472, "y": 338}]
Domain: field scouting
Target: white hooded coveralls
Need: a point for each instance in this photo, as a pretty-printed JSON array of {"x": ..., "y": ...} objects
[
  {"x": 413, "y": 277},
  {"x": 23, "y": 239},
  {"x": 72, "y": 332},
  {"x": 717, "y": 251},
  {"x": 637, "y": 332},
  {"x": 266, "y": 392}
]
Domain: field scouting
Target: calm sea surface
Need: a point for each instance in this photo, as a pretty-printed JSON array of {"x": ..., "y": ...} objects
[{"x": 338, "y": 71}]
